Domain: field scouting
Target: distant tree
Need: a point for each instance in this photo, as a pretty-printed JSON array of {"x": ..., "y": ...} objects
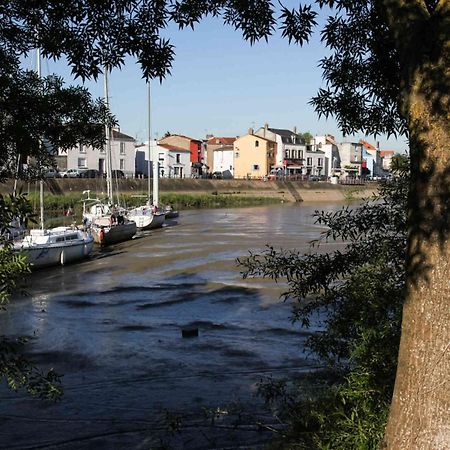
[{"x": 307, "y": 137}]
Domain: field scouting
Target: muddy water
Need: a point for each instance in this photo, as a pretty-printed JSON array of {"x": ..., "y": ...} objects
[{"x": 113, "y": 326}]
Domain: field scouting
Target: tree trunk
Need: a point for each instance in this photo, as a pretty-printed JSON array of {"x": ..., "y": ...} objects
[{"x": 420, "y": 411}]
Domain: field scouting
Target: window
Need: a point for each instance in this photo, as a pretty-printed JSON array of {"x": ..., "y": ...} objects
[
  {"x": 177, "y": 158},
  {"x": 122, "y": 148},
  {"x": 288, "y": 154},
  {"x": 255, "y": 167},
  {"x": 81, "y": 148},
  {"x": 236, "y": 155},
  {"x": 294, "y": 154},
  {"x": 300, "y": 154},
  {"x": 122, "y": 164},
  {"x": 256, "y": 143},
  {"x": 309, "y": 161},
  {"x": 320, "y": 162},
  {"x": 82, "y": 162}
]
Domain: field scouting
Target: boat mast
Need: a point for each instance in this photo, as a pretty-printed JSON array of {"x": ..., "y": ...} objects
[
  {"x": 149, "y": 131},
  {"x": 155, "y": 161},
  {"x": 108, "y": 161},
  {"x": 41, "y": 182}
]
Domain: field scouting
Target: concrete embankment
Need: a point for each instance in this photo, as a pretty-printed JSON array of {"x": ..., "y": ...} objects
[{"x": 290, "y": 191}]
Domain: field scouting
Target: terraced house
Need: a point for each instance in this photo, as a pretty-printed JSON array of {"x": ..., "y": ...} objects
[{"x": 254, "y": 156}]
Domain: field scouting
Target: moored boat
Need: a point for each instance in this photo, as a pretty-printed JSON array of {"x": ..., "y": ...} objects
[{"x": 55, "y": 246}]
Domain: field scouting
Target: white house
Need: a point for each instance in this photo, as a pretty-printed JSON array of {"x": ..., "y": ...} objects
[
  {"x": 86, "y": 157},
  {"x": 174, "y": 162},
  {"x": 223, "y": 159},
  {"x": 332, "y": 162}
]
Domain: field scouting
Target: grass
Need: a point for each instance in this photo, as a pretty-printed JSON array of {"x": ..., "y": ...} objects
[{"x": 56, "y": 205}]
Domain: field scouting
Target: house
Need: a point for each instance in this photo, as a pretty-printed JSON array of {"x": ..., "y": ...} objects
[
  {"x": 386, "y": 156},
  {"x": 173, "y": 161},
  {"x": 314, "y": 163},
  {"x": 86, "y": 157},
  {"x": 223, "y": 160},
  {"x": 291, "y": 148},
  {"x": 254, "y": 156},
  {"x": 194, "y": 146},
  {"x": 331, "y": 165},
  {"x": 351, "y": 158},
  {"x": 222, "y": 145},
  {"x": 373, "y": 158}
]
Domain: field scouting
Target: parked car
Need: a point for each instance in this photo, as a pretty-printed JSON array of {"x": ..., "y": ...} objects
[
  {"x": 72, "y": 173},
  {"x": 116, "y": 173},
  {"x": 90, "y": 173},
  {"x": 52, "y": 173}
]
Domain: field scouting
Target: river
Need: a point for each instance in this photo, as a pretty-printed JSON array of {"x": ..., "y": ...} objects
[{"x": 113, "y": 326}]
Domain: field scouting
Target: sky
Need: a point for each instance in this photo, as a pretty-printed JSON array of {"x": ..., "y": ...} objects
[{"x": 221, "y": 85}]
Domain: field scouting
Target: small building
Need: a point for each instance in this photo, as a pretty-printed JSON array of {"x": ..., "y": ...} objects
[
  {"x": 331, "y": 165},
  {"x": 386, "y": 156},
  {"x": 254, "y": 156},
  {"x": 194, "y": 146},
  {"x": 173, "y": 162},
  {"x": 217, "y": 143},
  {"x": 223, "y": 160},
  {"x": 351, "y": 159}
]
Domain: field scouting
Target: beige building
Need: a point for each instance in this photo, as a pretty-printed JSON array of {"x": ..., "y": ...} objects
[{"x": 254, "y": 156}]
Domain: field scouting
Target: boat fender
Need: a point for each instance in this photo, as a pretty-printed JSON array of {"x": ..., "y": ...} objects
[
  {"x": 101, "y": 235},
  {"x": 62, "y": 258}
]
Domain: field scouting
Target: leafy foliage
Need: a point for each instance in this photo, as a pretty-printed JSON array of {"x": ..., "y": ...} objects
[
  {"x": 357, "y": 295},
  {"x": 14, "y": 367}
]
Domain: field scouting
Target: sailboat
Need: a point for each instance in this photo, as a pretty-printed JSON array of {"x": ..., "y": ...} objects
[
  {"x": 108, "y": 222},
  {"x": 148, "y": 217},
  {"x": 55, "y": 246}
]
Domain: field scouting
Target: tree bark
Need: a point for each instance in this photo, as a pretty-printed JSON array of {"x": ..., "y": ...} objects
[{"x": 420, "y": 410}]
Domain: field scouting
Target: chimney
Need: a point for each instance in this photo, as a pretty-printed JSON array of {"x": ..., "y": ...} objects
[
  {"x": 266, "y": 127},
  {"x": 378, "y": 145},
  {"x": 250, "y": 131},
  {"x": 295, "y": 130}
]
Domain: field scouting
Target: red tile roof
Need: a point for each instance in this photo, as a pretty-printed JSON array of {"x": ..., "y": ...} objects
[
  {"x": 385, "y": 153},
  {"x": 367, "y": 145}
]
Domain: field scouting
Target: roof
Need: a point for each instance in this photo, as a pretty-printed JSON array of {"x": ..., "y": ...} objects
[
  {"x": 257, "y": 137},
  {"x": 366, "y": 145},
  {"x": 286, "y": 135},
  {"x": 122, "y": 136},
  {"x": 385, "y": 153},
  {"x": 173, "y": 147},
  {"x": 182, "y": 136},
  {"x": 221, "y": 140}
]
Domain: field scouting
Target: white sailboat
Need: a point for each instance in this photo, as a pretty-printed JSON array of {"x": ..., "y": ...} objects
[
  {"x": 148, "y": 217},
  {"x": 108, "y": 223},
  {"x": 55, "y": 246}
]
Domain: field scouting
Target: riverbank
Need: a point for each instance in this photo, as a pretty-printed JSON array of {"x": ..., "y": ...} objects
[{"x": 173, "y": 190}]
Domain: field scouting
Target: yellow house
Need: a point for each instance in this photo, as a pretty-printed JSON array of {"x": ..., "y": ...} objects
[{"x": 254, "y": 156}]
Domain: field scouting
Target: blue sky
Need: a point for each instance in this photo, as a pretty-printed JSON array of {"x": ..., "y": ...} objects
[{"x": 222, "y": 85}]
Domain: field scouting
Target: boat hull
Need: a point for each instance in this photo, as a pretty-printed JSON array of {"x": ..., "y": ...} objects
[
  {"x": 145, "y": 219},
  {"x": 113, "y": 234},
  {"x": 56, "y": 254}
]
